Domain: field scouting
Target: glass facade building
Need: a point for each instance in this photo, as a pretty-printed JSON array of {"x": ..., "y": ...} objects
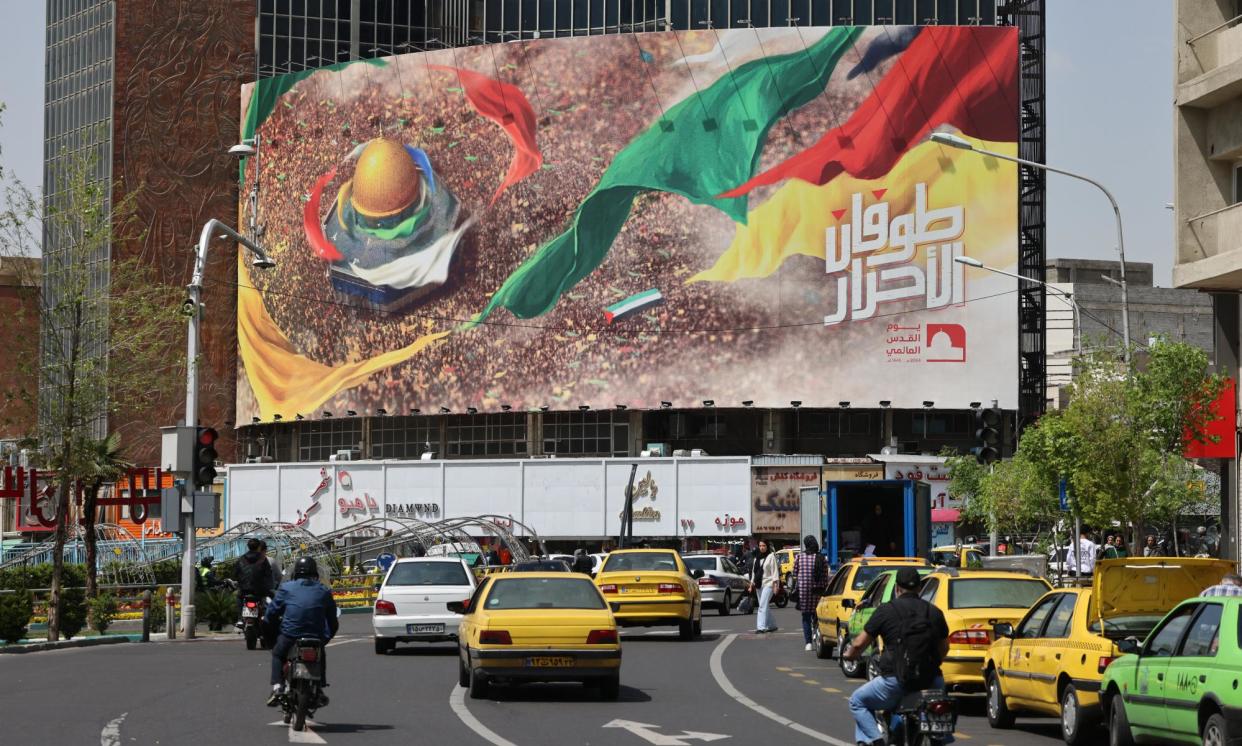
[{"x": 77, "y": 130}]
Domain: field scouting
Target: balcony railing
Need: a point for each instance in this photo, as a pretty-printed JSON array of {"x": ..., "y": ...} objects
[{"x": 1213, "y": 233}]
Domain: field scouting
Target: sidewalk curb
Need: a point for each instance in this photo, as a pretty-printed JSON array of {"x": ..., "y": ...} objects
[{"x": 82, "y": 642}]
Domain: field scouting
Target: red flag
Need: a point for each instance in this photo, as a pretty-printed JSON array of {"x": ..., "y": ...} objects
[
  {"x": 960, "y": 76},
  {"x": 507, "y": 106},
  {"x": 322, "y": 247}
]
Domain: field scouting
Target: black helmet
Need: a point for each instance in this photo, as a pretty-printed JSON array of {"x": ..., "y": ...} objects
[
  {"x": 208, "y": 560},
  {"x": 305, "y": 567}
]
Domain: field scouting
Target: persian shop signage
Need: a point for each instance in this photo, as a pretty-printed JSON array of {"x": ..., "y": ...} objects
[{"x": 776, "y": 497}]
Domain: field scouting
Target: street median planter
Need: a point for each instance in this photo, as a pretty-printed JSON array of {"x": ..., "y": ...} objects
[{"x": 81, "y": 642}]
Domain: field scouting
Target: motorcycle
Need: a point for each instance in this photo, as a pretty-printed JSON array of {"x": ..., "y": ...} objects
[
  {"x": 303, "y": 674},
  {"x": 781, "y": 596},
  {"x": 925, "y": 718},
  {"x": 253, "y": 608}
]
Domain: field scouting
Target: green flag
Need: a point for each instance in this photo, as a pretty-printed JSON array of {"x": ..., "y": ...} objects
[{"x": 714, "y": 143}]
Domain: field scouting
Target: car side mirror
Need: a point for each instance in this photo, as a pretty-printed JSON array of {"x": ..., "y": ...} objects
[
  {"x": 848, "y": 603},
  {"x": 458, "y": 607},
  {"x": 1129, "y": 645},
  {"x": 1002, "y": 629},
  {"x": 615, "y": 606},
  {"x": 696, "y": 573}
]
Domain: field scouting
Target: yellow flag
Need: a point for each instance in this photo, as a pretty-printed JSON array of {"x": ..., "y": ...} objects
[
  {"x": 794, "y": 219},
  {"x": 286, "y": 382}
]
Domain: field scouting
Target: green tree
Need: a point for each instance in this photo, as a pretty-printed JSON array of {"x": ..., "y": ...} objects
[
  {"x": 109, "y": 331},
  {"x": 102, "y": 463}
]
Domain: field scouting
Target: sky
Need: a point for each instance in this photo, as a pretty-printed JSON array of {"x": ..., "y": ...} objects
[{"x": 1110, "y": 117}]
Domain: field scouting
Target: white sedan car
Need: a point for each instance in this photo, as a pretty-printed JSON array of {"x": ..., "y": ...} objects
[
  {"x": 722, "y": 586},
  {"x": 411, "y": 607}
]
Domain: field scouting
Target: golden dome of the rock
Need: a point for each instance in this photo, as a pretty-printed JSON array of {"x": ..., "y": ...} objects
[{"x": 386, "y": 181}]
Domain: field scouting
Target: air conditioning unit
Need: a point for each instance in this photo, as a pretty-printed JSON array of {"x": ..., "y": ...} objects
[
  {"x": 696, "y": 452},
  {"x": 681, "y": 453},
  {"x": 427, "y": 456},
  {"x": 657, "y": 449},
  {"x": 347, "y": 454}
]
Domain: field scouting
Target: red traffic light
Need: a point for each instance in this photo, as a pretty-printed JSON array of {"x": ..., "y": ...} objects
[{"x": 207, "y": 436}]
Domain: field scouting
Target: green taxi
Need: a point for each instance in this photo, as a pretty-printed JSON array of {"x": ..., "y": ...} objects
[
  {"x": 1181, "y": 684},
  {"x": 879, "y": 591}
]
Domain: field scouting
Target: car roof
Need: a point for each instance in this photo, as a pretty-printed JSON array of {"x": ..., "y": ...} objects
[
  {"x": 996, "y": 574},
  {"x": 915, "y": 561},
  {"x": 406, "y": 560},
  {"x": 506, "y": 576},
  {"x": 642, "y": 551}
]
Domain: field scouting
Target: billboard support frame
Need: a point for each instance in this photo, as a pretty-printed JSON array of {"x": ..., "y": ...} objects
[{"x": 1028, "y": 17}]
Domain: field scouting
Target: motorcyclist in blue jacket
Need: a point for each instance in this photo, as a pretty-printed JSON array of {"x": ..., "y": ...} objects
[{"x": 303, "y": 607}]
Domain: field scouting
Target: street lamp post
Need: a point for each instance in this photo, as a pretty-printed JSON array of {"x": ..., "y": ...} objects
[
  {"x": 1067, "y": 297},
  {"x": 194, "y": 306},
  {"x": 953, "y": 141}
]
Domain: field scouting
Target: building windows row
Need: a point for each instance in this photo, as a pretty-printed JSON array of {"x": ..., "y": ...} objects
[
  {"x": 486, "y": 435},
  {"x": 586, "y": 433}
]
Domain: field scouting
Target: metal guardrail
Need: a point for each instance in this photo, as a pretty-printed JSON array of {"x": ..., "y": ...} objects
[{"x": 1213, "y": 30}]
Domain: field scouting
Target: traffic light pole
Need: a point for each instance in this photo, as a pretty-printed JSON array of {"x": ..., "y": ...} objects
[{"x": 195, "y": 307}]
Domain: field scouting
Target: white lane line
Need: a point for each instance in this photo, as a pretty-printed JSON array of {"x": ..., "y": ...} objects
[
  {"x": 346, "y": 642},
  {"x": 727, "y": 687},
  {"x": 305, "y": 736},
  {"x": 457, "y": 701},
  {"x": 111, "y": 733}
]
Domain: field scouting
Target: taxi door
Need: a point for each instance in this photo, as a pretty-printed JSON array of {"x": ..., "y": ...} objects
[
  {"x": 1189, "y": 670},
  {"x": 1046, "y": 658},
  {"x": 835, "y": 616},
  {"x": 1145, "y": 703},
  {"x": 1016, "y": 681}
]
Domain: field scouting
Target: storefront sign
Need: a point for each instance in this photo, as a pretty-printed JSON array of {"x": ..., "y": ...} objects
[
  {"x": 728, "y": 522},
  {"x": 412, "y": 510},
  {"x": 933, "y": 473},
  {"x": 775, "y": 497},
  {"x": 358, "y": 506}
]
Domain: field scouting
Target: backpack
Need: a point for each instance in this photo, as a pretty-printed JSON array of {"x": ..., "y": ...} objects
[{"x": 917, "y": 656}]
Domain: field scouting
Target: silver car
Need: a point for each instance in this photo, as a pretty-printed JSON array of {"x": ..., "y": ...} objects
[{"x": 722, "y": 586}]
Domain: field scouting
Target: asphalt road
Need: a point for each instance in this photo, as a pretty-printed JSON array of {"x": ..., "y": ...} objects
[{"x": 728, "y": 685}]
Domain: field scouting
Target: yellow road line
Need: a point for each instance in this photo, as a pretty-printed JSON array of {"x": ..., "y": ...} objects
[
  {"x": 832, "y": 690},
  {"x": 812, "y": 682},
  {"x": 784, "y": 668},
  {"x": 797, "y": 675}
]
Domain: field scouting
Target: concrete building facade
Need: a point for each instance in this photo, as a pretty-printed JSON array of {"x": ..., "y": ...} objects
[{"x": 1207, "y": 156}]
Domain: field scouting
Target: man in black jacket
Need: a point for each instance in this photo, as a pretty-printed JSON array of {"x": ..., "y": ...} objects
[{"x": 253, "y": 572}]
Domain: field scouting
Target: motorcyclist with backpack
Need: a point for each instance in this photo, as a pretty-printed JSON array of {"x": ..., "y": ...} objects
[
  {"x": 253, "y": 573},
  {"x": 916, "y": 639},
  {"x": 303, "y": 607}
]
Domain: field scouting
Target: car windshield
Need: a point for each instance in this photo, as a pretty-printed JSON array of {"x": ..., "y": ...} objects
[
  {"x": 1122, "y": 626},
  {"x": 543, "y": 593},
  {"x": 428, "y": 573},
  {"x": 700, "y": 563},
  {"x": 1000, "y": 593},
  {"x": 647, "y": 561}
]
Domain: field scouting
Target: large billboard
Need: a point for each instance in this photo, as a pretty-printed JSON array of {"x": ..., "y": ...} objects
[{"x": 744, "y": 215}]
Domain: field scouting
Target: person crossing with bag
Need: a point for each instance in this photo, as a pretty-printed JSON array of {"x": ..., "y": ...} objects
[{"x": 916, "y": 639}]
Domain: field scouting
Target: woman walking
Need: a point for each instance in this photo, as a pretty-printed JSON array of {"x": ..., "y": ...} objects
[
  {"x": 768, "y": 577},
  {"x": 811, "y": 570}
]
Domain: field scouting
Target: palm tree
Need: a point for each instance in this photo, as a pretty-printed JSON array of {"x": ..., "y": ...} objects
[{"x": 103, "y": 463}]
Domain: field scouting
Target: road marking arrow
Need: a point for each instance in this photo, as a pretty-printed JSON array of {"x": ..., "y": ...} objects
[{"x": 648, "y": 732}]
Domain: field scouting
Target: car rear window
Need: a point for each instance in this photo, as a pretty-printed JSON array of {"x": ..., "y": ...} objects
[
  {"x": 700, "y": 563},
  {"x": 648, "y": 561},
  {"x": 428, "y": 573},
  {"x": 999, "y": 593},
  {"x": 866, "y": 574},
  {"x": 543, "y": 593}
]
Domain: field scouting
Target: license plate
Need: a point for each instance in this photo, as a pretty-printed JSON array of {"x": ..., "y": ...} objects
[
  {"x": 250, "y": 612},
  {"x": 637, "y": 591},
  {"x": 424, "y": 629},
  {"x": 936, "y": 726},
  {"x": 548, "y": 661}
]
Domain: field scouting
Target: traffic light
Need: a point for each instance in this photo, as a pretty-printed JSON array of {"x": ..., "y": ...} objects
[
  {"x": 988, "y": 434},
  {"x": 203, "y": 472}
]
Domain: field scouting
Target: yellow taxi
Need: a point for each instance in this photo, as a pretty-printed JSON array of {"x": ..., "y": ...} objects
[
  {"x": 958, "y": 555},
  {"x": 652, "y": 587},
  {"x": 973, "y": 603},
  {"x": 537, "y": 626},
  {"x": 844, "y": 589},
  {"x": 1052, "y": 661},
  {"x": 785, "y": 559}
]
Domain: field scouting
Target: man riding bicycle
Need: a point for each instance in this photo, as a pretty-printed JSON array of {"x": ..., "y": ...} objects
[
  {"x": 916, "y": 639},
  {"x": 304, "y": 607}
]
